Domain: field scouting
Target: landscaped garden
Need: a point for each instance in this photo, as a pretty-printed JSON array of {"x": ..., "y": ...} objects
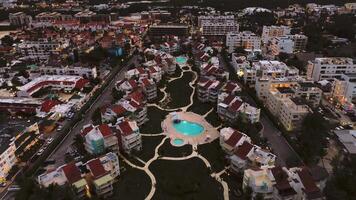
[{"x": 184, "y": 172}]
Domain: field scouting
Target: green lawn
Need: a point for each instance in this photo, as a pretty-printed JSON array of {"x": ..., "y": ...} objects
[
  {"x": 132, "y": 184},
  {"x": 187, "y": 179},
  {"x": 180, "y": 91},
  {"x": 172, "y": 151},
  {"x": 235, "y": 184},
  {"x": 199, "y": 107},
  {"x": 213, "y": 118},
  {"x": 155, "y": 116},
  {"x": 149, "y": 144},
  {"x": 214, "y": 154}
]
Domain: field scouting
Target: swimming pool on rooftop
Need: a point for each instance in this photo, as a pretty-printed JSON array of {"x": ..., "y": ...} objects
[
  {"x": 181, "y": 60},
  {"x": 188, "y": 128}
]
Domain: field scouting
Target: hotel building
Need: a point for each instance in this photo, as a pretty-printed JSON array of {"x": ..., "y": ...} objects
[
  {"x": 245, "y": 39},
  {"x": 217, "y": 25},
  {"x": 330, "y": 68},
  {"x": 56, "y": 82},
  {"x": 269, "y": 32}
]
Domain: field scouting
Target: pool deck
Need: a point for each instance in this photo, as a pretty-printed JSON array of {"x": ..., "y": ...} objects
[
  {"x": 209, "y": 134},
  {"x": 182, "y": 64}
]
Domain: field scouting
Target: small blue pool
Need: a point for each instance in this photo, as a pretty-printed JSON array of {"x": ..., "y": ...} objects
[
  {"x": 181, "y": 60},
  {"x": 188, "y": 128},
  {"x": 178, "y": 142}
]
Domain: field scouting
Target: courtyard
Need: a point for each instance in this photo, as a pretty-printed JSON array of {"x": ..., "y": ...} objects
[{"x": 193, "y": 169}]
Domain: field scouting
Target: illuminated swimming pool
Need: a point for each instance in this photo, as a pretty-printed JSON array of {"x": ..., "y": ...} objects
[
  {"x": 178, "y": 142},
  {"x": 181, "y": 60},
  {"x": 188, "y": 128}
]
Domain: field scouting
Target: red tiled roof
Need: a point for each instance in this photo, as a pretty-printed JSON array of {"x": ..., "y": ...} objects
[
  {"x": 235, "y": 106},
  {"x": 228, "y": 99},
  {"x": 47, "y": 105},
  {"x": 125, "y": 128},
  {"x": 282, "y": 183},
  {"x": 134, "y": 104},
  {"x": 208, "y": 84},
  {"x": 230, "y": 86},
  {"x": 96, "y": 168},
  {"x": 310, "y": 187},
  {"x": 133, "y": 83},
  {"x": 105, "y": 130},
  {"x": 234, "y": 138},
  {"x": 152, "y": 69},
  {"x": 118, "y": 109},
  {"x": 158, "y": 59},
  {"x": 243, "y": 150},
  {"x": 141, "y": 70},
  {"x": 86, "y": 130},
  {"x": 81, "y": 83},
  {"x": 146, "y": 82},
  {"x": 137, "y": 96},
  {"x": 72, "y": 173}
]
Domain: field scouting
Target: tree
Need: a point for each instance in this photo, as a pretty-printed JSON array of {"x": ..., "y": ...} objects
[
  {"x": 340, "y": 185},
  {"x": 247, "y": 193},
  {"x": 31, "y": 191},
  {"x": 96, "y": 117},
  {"x": 7, "y": 40},
  {"x": 117, "y": 95},
  {"x": 313, "y": 138},
  {"x": 259, "y": 196}
]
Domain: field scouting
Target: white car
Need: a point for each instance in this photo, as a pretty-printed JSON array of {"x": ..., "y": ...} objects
[
  {"x": 49, "y": 140},
  {"x": 40, "y": 152}
]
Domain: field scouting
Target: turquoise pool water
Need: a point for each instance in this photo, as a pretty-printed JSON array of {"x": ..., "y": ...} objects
[
  {"x": 181, "y": 60},
  {"x": 178, "y": 142},
  {"x": 188, "y": 128}
]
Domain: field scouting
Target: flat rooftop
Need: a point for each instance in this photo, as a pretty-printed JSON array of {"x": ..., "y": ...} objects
[
  {"x": 298, "y": 101},
  {"x": 285, "y": 90}
]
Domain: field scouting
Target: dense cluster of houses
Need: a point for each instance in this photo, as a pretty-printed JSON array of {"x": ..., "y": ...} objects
[{"x": 262, "y": 175}]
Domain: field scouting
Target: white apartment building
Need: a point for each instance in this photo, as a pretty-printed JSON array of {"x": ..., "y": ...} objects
[
  {"x": 231, "y": 138},
  {"x": 266, "y": 68},
  {"x": 87, "y": 72},
  {"x": 42, "y": 48},
  {"x": 149, "y": 88},
  {"x": 130, "y": 136},
  {"x": 231, "y": 107},
  {"x": 170, "y": 47},
  {"x": 208, "y": 90},
  {"x": 102, "y": 173},
  {"x": 20, "y": 19},
  {"x": 56, "y": 82},
  {"x": 344, "y": 89},
  {"x": 7, "y": 157},
  {"x": 330, "y": 68},
  {"x": 245, "y": 39},
  {"x": 300, "y": 42},
  {"x": 279, "y": 45},
  {"x": 239, "y": 63},
  {"x": 97, "y": 175},
  {"x": 259, "y": 180},
  {"x": 217, "y": 25},
  {"x": 98, "y": 139},
  {"x": 302, "y": 89},
  {"x": 66, "y": 174},
  {"x": 288, "y": 109},
  {"x": 269, "y": 32},
  {"x": 280, "y": 183}
]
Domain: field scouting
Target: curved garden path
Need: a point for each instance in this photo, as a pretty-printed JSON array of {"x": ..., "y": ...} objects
[{"x": 194, "y": 153}]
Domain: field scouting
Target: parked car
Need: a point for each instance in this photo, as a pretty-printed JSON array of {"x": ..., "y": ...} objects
[
  {"x": 40, "y": 152},
  {"x": 14, "y": 188}
]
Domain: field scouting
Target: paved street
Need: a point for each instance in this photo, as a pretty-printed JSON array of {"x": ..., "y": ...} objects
[{"x": 104, "y": 98}]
